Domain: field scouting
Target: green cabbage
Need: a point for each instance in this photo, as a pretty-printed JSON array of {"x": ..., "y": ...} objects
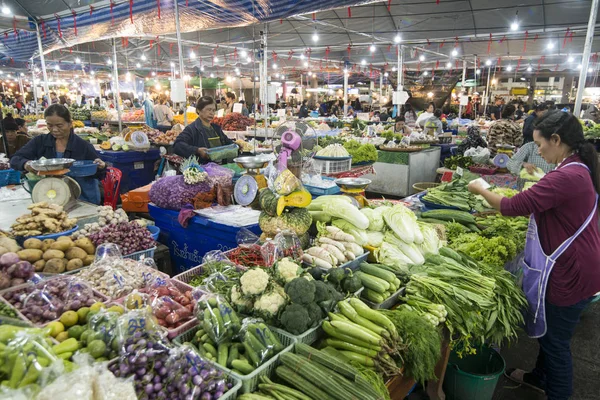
[
  {"x": 376, "y": 222},
  {"x": 388, "y": 254},
  {"x": 537, "y": 175},
  {"x": 409, "y": 250},
  {"x": 431, "y": 242}
]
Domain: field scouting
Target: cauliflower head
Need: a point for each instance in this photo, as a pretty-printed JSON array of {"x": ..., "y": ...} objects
[
  {"x": 238, "y": 300},
  {"x": 287, "y": 270},
  {"x": 269, "y": 304},
  {"x": 254, "y": 282}
]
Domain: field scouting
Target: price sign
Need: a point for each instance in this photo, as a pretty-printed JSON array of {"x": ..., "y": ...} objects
[
  {"x": 220, "y": 113},
  {"x": 459, "y": 171},
  {"x": 447, "y": 177},
  {"x": 136, "y": 325},
  {"x": 237, "y": 108}
]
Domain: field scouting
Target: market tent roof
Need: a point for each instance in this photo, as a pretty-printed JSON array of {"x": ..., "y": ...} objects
[{"x": 428, "y": 29}]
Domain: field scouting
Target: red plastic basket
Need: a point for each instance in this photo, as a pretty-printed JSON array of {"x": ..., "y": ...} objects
[{"x": 483, "y": 171}]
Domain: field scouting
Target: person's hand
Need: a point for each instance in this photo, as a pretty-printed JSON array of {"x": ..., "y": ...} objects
[
  {"x": 100, "y": 163},
  {"x": 202, "y": 152},
  {"x": 475, "y": 187},
  {"x": 29, "y": 168},
  {"x": 530, "y": 168}
]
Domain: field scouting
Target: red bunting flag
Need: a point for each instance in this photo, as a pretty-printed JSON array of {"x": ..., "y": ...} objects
[
  {"x": 5, "y": 35},
  {"x": 274, "y": 57},
  {"x": 541, "y": 60},
  {"x": 314, "y": 16},
  {"x": 456, "y": 64},
  {"x": 74, "y": 21},
  {"x": 556, "y": 68},
  {"x": 70, "y": 50},
  {"x": 290, "y": 54},
  {"x": 567, "y": 34},
  {"x": 519, "y": 63},
  {"x": 437, "y": 64},
  {"x": 112, "y": 18},
  {"x": 158, "y": 6},
  {"x": 503, "y": 39},
  {"x": 58, "y": 23},
  {"x": 91, "y": 10},
  {"x": 327, "y": 51},
  {"x": 499, "y": 62},
  {"x": 157, "y": 47},
  {"x": 235, "y": 53},
  {"x": 15, "y": 25},
  {"x": 389, "y": 5},
  {"x": 171, "y": 48},
  {"x": 455, "y": 41},
  {"x": 349, "y": 12},
  {"x": 151, "y": 43},
  {"x": 428, "y": 43},
  {"x": 490, "y": 44},
  {"x": 131, "y": 10},
  {"x": 43, "y": 27},
  {"x": 389, "y": 48},
  {"x": 525, "y": 42},
  {"x": 349, "y": 49},
  {"x": 443, "y": 42},
  {"x": 281, "y": 21},
  {"x": 535, "y": 38}
]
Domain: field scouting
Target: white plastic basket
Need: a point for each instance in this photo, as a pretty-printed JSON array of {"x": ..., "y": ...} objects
[
  {"x": 332, "y": 166},
  {"x": 138, "y": 255}
]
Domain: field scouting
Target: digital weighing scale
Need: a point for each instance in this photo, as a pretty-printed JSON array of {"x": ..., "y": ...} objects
[
  {"x": 355, "y": 189},
  {"x": 55, "y": 187},
  {"x": 247, "y": 187}
]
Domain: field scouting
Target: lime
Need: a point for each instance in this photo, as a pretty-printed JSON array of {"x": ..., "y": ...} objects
[
  {"x": 69, "y": 318},
  {"x": 82, "y": 313},
  {"x": 117, "y": 309},
  {"x": 61, "y": 337},
  {"x": 76, "y": 331},
  {"x": 56, "y": 327},
  {"x": 97, "y": 306},
  {"x": 97, "y": 348}
]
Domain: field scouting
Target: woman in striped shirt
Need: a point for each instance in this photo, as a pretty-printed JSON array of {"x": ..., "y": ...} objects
[
  {"x": 410, "y": 117},
  {"x": 528, "y": 157}
]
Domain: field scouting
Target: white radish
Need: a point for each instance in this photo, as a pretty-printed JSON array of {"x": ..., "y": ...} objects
[
  {"x": 349, "y": 255},
  {"x": 326, "y": 240},
  {"x": 312, "y": 260},
  {"x": 339, "y": 235},
  {"x": 354, "y": 248},
  {"x": 323, "y": 254},
  {"x": 335, "y": 252}
]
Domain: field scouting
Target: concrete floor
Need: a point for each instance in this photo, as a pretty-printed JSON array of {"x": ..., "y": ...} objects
[{"x": 586, "y": 363}]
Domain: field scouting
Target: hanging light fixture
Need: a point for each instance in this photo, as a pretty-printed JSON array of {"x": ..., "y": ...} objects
[
  {"x": 529, "y": 69},
  {"x": 372, "y": 48},
  {"x": 77, "y": 60},
  {"x": 488, "y": 62},
  {"x": 109, "y": 61},
  {"x": 315, "y": 36},
  {"x": 244, "y": 53},
  {"x": 454, "y": 53},
  {"x": 448, "y": 64},
  {"x": 143, "y": 57},
  {"x": 509, "y": 68},
  {"x": 571, "y": 59},
  {"x": 138, "y": 65},
  {"x": 193, "y": 55},
  {"x": 397, "y": 38},
  {"x": 363, "y": 62},
  {"x": 421, "y": 58},
  {"x": 305, "y": 64}
]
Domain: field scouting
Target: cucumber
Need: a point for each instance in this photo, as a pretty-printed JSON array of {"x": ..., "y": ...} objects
[
  {"x": 378, "y": 272},
  {"x": 242, "y": 366}
]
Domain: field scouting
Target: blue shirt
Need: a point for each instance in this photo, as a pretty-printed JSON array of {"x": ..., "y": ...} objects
[{"x": 77, "y": 148}]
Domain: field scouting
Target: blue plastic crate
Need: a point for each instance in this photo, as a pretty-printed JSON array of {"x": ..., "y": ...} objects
[
  {"x": 137, "y": 166},
  {"x": 189, "y": 245},
  {"x": 317, "y": 191},
  {"x": 154, "y": 231},
  {"x": 9, "y": 177}
]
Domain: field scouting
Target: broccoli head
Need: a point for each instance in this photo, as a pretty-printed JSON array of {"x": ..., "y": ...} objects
[
  {"x": 314, "y": 313},
  {"x": 301, "y": 291},
  {"x": 295, "y": 319},
  {"x": 322, "y": 292}
]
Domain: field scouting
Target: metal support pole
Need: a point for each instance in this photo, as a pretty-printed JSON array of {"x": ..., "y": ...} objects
[
  {"x": 346, "y": 73},
  {"x": 180, "y": 52},
  {"x": 462, "y": 87},
  {"x": 116, "y": 91},
  {"x": 42, "y": 61},
  {"x": 265, "y": 79},
  {"x": 487, "y": 91},
  {"x": 380, "y": 87},
  {"x": 475, "y": 110},
  {"x": 400, "y": 85},
  {"x": 587, "y": 49},
  {"x": 34, "y": 87}
]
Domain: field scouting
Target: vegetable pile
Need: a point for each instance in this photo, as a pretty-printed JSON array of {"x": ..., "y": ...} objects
[
  {"x": 106, "y": 216},
  {"x": 44, "y": 218},
  {"x": 131, "y": 236},
  {"x": 454, "y": 194},
  {"x": 233, "y": 122},
  {"x": 334, "y": 249},
  {"x": 458, "y": 161},
  {"x": 361, "y": 152},
  {"x": 57, "y": 256},
  {"x": 333, "y": 150},
  {"x": 14, "y": 272}
]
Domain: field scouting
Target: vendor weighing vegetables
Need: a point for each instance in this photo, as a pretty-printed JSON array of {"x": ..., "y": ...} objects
[
  {"x": 202, "y": 134},
  {"x": 62, "y": 142},
  {"x": 561, "y": 270}
]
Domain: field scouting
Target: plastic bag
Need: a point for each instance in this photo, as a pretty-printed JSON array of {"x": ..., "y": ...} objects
[
  {"x": 217, "y": 317},
  {"x": 191, "y": 377},
  {"x": 260, "y": 343},
  {"x": 135, "y": 325},
  {"x": 218, "y": 174},
  {"x": 480, "y": 155},
  {"x": 171, "y": 306},
  {"x": 106, "y": 252},
  {"x": 289, "y": 245},
  {"x": 101, "y": 339},
  {"x": 246, "y": 237},
  {"x": 28, "y": 359}
]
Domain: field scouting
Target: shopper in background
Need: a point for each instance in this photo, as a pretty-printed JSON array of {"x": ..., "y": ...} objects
[
  {"x": 323, "y": 109},
  {"x": 11, "y": 130},
  {"x": 473, "y": 140},
  {"x": 356, "y": 105},
  {"x": 496, "y": 109},
  {"x": 504, "y": 131},
  {"x": 561, "y": 269},
  {"x": 537, "y": 113},
  {"x": 529, "y": 158},
  {"x": 520, "y": 113},
  {"x": 230, "y": 101},
  {"x": 385, "y": 115},
  {"x": 303, "y": 113},
  {"x": 149, "y": 112},
  {"x": 201, "y": 134},
  {"x": 245, "y": 112},
  {"x": 21, "y": 126},
  {"x": 425, "y": 115},
  {"x": 335, "y": 109},
  {"x": 53, "y": 98},
  {"x": 163, "y": 115},
  {"x": 401, "y": 127},
  {"x": 410, "y": 116},
  {"x": 20, "y": 105},
  {"x": 433, "y": 126},
  {"x": 62, "y": 142}
]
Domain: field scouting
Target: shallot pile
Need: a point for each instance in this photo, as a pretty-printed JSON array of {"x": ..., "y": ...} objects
[
  {"x": 130, "y": 236},
  {"x": 14, "y": 272}
]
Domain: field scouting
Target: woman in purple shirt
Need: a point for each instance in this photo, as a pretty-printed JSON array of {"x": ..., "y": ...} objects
[{"x": 561, "y": 269}]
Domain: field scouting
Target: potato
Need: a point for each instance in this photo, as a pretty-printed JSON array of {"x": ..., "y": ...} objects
[
  {"x": 62, "y": 245},
  {"x": 86, "y": 244},
  {"x": 3, "y": 250},
  {"x": 75, "y": 252},
  {"x": 88, "y": 260},
  {"x": 39, "y": 265},
  {"x": 63, "y": 238},
  {"x": 55, "y": 266},
  {"x": 50, "y": 254},
  {"x": 31, "y": 255},
  {"x": 47, "y": 243},
  {"x": 33, "y": 244},
  {"x": 74, "y": 264}
]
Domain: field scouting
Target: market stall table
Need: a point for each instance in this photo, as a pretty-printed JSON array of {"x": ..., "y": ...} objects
[{"x": 396, "y": 172}]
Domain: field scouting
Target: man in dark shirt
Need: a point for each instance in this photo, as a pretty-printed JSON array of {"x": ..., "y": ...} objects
[
  {"x": 539, "y": 110},
  {"x": 496, "y": 110}
]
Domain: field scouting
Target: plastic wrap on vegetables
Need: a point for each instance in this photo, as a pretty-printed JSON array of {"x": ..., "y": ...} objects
[
  {"x": 101, "y": 339},
  {"x": 259, "y": 342},
  {"x": 219, "y": 174},
  {"x": 191, "y": 377},
  {"x": 171, "y": 192},
  {"x": 28, "y": 360},
  {"x": 135, "y": 325},
  {"x": 217, "y": 317}
]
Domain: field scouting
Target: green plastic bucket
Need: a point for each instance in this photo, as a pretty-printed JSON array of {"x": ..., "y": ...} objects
[{"x": 473, "y": 377}]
